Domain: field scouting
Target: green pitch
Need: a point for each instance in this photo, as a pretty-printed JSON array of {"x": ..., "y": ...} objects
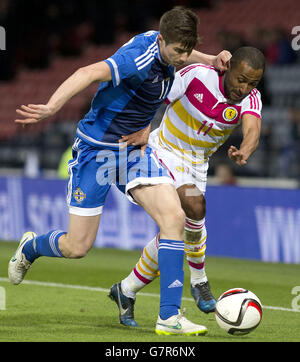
[{"x": 70, "y": 303}]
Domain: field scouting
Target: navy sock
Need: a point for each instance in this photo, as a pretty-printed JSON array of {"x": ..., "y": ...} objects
[
  {"x": 170, "y": 262},
  {"x": 43, "y": 245}
]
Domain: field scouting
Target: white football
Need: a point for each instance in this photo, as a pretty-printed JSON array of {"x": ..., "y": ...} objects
[{"x": 238, "y": 311}]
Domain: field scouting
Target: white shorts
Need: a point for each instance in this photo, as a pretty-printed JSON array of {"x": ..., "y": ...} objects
[{"x": 182, "y": 171}]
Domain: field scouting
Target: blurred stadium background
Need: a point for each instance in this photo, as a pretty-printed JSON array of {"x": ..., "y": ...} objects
[{"x": 48, "y": 40}]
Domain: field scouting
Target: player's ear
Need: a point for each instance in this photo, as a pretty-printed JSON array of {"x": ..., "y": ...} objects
[{"x": 161, "y": 39}]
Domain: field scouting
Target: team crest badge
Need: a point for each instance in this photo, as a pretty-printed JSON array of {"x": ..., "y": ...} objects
[
  {"x": 78, "y": 195},
  {"x": 230, "y": 114}
]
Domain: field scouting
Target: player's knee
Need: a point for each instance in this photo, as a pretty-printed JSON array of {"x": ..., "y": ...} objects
[
  {"x": 174, "y": 220},
  {"x": 179, "y": 218},
  {"x": 196, "y": 210}
]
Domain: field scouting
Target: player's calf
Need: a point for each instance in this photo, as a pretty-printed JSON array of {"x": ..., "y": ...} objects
[{"x": 195, "y": 245}]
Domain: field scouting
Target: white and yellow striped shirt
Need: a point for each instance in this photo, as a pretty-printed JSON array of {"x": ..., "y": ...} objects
[{"x": 199, "y": 118}]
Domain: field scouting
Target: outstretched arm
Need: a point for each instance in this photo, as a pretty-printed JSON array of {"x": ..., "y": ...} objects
[
  {"x": 251, "y": 127},
  {"x": 220, "y": 61},
  {"x": 77, "y": 82}
]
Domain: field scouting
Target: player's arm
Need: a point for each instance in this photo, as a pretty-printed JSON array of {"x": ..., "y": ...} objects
[
  {"x": 251, "y": 126},
  {"x": 77, "y": 82},
  {"x": 220, "y": 61}
]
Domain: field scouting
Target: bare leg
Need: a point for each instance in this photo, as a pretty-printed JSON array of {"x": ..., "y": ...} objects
[
  {"x": 163, "y": 204},
  {"x": 80, "y": 236}
]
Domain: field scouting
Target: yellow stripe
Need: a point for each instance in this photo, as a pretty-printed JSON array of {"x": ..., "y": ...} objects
[
  {"x": 198, "y": 242},
  {"x": 196, "y": 254},
  {"x": 173, "y": 145},
  {"x": 149, "y": 257},
  {"x": 162, "y": 138},
  {"x": 146, "y": 265},
  {"x": 194, "y": 123},
  {"x": 144, "y": 272},
  {"x": 182, "y": 136}
]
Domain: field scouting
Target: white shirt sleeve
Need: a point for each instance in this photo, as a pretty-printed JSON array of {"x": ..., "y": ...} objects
[{"x": 252, "y": 104}]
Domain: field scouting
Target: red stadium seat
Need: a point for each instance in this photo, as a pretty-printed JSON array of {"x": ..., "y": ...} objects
[{"x": 36, "y": 86}]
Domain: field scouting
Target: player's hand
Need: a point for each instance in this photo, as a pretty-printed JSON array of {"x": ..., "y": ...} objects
[
  {"x": 33, "y": 113},
  {"x": 237, "y": 156},
  {"x": 222, "y": 60},
  {"x": 139, "y": 138}
]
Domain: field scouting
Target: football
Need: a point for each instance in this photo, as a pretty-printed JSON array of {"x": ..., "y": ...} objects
[{"x": 238, "y": 311}]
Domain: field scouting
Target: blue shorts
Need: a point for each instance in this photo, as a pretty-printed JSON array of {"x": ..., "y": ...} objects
[{"x": 93, "y": 170}]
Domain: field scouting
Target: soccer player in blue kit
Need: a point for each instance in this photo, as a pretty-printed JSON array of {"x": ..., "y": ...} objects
[{"x": 133, "y": 84}]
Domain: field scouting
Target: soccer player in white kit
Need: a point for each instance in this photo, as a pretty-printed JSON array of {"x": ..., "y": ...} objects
[{"x": 204, "y": 107}]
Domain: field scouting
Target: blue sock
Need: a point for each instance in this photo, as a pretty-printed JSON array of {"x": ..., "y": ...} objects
[
  {"x": 43, "y": 245},
  {"x": 170, "y": 263}
]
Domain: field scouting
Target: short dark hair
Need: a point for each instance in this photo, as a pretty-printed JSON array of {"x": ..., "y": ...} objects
[
  {"x": 252, "y": 56},
  {"x": 180, "y": 25}
]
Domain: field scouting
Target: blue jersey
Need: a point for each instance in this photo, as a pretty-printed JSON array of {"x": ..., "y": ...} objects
[{"x": 140, "y": 82}]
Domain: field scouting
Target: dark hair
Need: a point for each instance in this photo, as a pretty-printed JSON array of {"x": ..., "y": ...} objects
[
  {"x": 180, "y": 25},
  {"x": 252, "y": 56}
]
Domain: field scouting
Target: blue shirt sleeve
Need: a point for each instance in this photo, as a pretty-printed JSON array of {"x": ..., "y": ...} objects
[{"x": 122, "y": 63}]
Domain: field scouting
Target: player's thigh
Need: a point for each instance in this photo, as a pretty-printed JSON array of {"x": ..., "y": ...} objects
[
  {"x": 192, "y": 201},
  {"x": 81, "y": 235},
  {"x": 161, "y": 202},
  {"x": 189, "y": 180}
]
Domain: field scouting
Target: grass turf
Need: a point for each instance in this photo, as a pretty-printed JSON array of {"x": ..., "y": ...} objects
[{"x": 56, "y": 313}]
